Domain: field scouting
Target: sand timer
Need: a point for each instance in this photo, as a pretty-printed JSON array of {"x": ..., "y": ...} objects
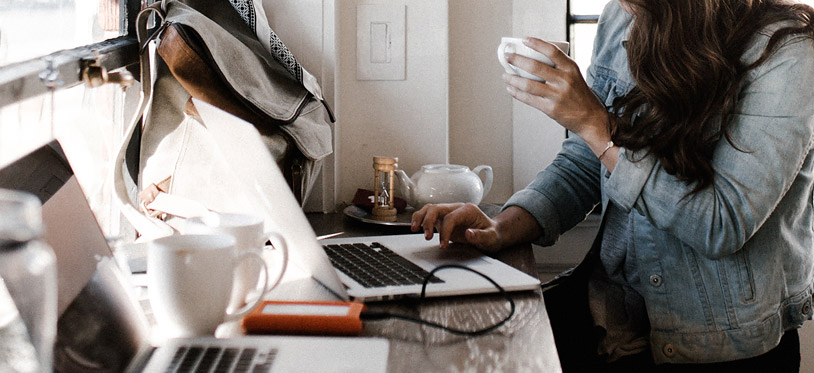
[{"x": 384, "y": 173}]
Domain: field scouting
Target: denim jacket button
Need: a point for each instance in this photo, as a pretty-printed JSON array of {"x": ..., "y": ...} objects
[
  {"x": 806, "y": 310},
  {"x": 669, "y": 350},
  {"x": 656, "y": 280}
]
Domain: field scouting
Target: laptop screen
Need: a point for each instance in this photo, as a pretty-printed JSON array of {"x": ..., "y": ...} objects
[
  {"x": 42, "y": 172},
  {"x": 70, "y": 226},
  {"x": 100, "y": 324}
]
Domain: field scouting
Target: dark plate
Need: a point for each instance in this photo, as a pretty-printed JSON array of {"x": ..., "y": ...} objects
[{"x": 358, "y": 213}]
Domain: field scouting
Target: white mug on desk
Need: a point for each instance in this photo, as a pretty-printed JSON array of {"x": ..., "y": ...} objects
[
  {"x": 248, "y": 233},
  {"x": 515, "y": 45},
  {"x": 189, "y": 281}
]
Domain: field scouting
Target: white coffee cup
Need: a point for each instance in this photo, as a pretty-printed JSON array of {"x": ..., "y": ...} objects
[
  {"x": 189, "y": 282},
  {"x": 249, "y": 235},
  {"x": 515, "y": 45}
]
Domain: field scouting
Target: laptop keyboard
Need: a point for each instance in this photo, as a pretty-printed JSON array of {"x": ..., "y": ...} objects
[
  {"x": 375, "y": 265},
  {"x": 221, "y": 359}
]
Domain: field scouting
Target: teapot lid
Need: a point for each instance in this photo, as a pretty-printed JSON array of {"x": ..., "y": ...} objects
[{"x": 444, "y": 168}]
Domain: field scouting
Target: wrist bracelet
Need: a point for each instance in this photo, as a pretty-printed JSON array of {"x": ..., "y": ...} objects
[{"x": 607, "y": 147}]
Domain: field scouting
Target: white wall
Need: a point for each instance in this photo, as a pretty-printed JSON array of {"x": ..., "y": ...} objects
[
  {"x": 452, "y": 105},
  {"x": 407, "y": 118},
  {"x": 486, "y": 125},
  {"x": 480, "y": 110},
  {"x": 536, "y": 138}
]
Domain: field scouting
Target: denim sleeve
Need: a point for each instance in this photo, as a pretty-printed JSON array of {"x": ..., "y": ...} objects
[
  {"x": 772, "y": 126},
  {"x": 564, "y": 192}
]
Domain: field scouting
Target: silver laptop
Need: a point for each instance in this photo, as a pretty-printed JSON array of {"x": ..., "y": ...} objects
[
  {"x": 239, "y": 142},
  {"x": 101, "y": 326}
]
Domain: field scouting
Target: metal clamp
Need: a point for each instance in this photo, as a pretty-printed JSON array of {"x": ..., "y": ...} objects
[
  {"x": 50, "y": 76},
  {"x": 96, "y": 75}
]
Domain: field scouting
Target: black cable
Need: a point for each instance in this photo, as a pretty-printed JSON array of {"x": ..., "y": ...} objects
[{"x": 377, "y": 316}]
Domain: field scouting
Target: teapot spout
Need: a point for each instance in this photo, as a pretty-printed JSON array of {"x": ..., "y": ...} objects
[{"x": 406, "y": 187}]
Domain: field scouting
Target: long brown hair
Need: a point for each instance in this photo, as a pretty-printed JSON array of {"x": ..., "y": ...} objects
[{"x": 685, "y": 58}]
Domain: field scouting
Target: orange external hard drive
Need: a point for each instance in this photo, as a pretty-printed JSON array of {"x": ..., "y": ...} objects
[{"x": 315, "y": 318}]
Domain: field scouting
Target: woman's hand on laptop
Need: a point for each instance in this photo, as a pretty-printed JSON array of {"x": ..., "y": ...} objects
[
  {"x": 458, "y": 222},
  {"x": 466, "y": 223}
]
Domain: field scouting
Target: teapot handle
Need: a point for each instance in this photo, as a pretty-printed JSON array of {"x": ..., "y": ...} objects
[{"x": 487, "y": 182}]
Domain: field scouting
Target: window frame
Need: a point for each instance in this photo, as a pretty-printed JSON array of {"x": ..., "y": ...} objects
[
  {"x": 63, "y": 69},
  {"x": 570, "y": 21},
  {"x": 574, "y": 19}
]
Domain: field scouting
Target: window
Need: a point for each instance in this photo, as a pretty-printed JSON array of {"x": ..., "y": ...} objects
[
  {"x": 43, "y": 46},
  {"x": 581, "y": 22}
]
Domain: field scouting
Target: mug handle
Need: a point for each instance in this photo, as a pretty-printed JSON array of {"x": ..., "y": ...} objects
[
  {"x": 279, "y": 240},
  {"x": 250, "y": 306},
  {"x": 501, "y": 56},
  {"x": 487, "y": 182}
]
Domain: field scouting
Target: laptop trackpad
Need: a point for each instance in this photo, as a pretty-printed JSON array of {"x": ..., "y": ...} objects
[{"x": 455, "y": 254}]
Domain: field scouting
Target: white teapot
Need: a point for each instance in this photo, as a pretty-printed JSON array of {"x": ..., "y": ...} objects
[{"x": 444, "y": 183}]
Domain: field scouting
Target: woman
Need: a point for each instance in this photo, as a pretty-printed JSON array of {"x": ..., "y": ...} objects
[{"x": 694, "y": 132}]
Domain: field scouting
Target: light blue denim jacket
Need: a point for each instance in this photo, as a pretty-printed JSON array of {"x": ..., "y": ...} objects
[{"x": 730, "y": 269}]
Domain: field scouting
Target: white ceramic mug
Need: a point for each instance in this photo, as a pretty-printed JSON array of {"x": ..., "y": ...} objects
[
  {"x": 515, "y": 45},
  {"x": 189, "y": 282},
  {"x": 249, "y": 235}
]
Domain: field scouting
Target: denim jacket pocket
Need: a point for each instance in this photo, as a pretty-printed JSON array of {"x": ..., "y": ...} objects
[
  {"x": 607, "y": 85},
  {"x": 706, "y": 310},
  {"x": 746, "y": 280}
]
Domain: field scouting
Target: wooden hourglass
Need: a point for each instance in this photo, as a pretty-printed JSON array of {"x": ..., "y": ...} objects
[{"x": 383, "y": 180}]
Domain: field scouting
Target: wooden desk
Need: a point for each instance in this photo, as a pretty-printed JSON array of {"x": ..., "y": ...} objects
[{"x": 524, "y": 344}]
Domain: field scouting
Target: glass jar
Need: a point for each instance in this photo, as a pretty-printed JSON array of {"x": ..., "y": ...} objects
[
  {"x": 28, "y": 268},
  {"x": 17, "y": 354}
]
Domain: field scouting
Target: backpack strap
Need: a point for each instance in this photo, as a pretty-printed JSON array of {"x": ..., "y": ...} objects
[{"x": 148, "y": 227}]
